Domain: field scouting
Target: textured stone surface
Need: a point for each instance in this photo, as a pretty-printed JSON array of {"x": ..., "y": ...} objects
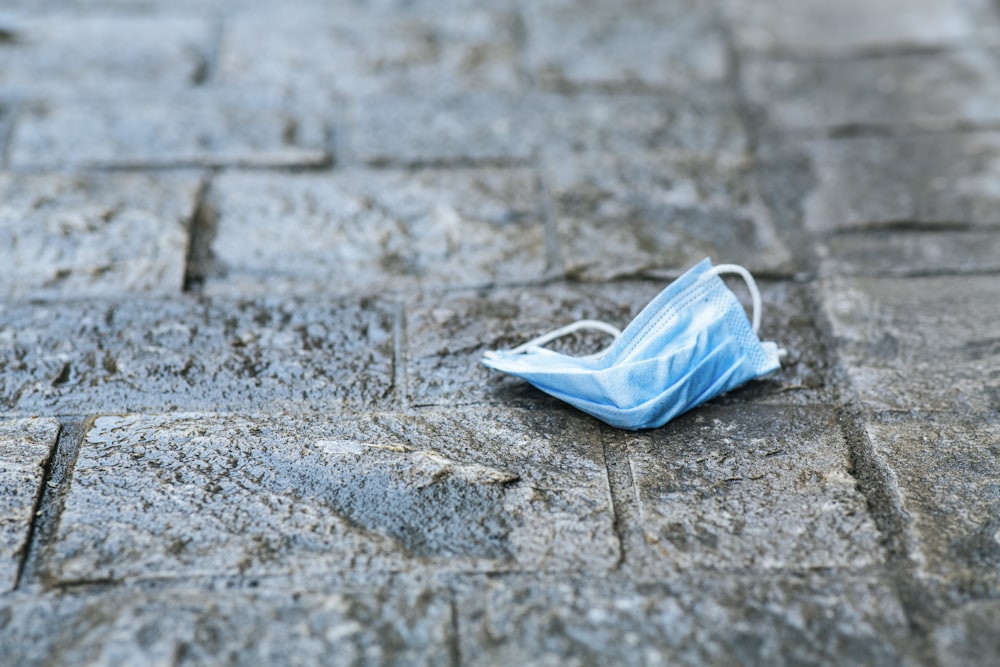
[
  {"x": 750, "y": 487},
  {"x": 370, "y": 231},
  {"x": 700, "y": 619},
  {"x": 918, "y": 343},
  {"x": 25, "y": 446},
  {"x": 386, "y": 626},
  {"x": 448, "y": 335},
  {"x": 625, "y": 216},
  {"x": 488, "y": 127},
  {"x": 203, "y": 128},
  {"x": 968, "y": 637},
  {"x": 890, "y": 253},
  {"x": 592, "y": 44},
  {"x": 50, "y": 55},
  {"x": 346, "y": 52},
  {"x": 183, "y": 354},
  {"x": 953, "y": 506},
  {"x": 940, "y": 180},
  {"x": 94, "y": 235},
  {"x": 904, "y": 92},
  {"x": 817, "y": 27},
  {"x": 174, "y": 495}
]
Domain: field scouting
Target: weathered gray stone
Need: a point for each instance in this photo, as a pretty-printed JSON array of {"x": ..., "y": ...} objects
[
  {"x": 157, "y": 355},
  {"x": 76, "y": 235},
  {"x": 948, "y": 90},
  {"x": 626, "y": 216},
  {"x": 213, "y": 128},
  {"x": 750, "y": 487},
  {"x": 700, "y": 619},
  {"x": 348, "y": 52},
  {"x": 51, "y": 55},
  {"x": 967, "y": 637},
  {"x": 849, "y": 27},
  {"x": 489, "y": 127},
  {"x": 946, "y": 470},
  {"x": 448, "y": 335},
  {"x": 918, "y": 343},
  {"x": 889, "y": 253},
  {"x": 933, "y": 180},
  {"x": 593, "y": 44},
  {"x": 477, "y": 128},
  {"x": 696, "y": 122},
  {"x": 370, "y": 231},
  {"x": 181, "y": 495},
  {"x": 397, "y": 625},
  {"x": 25, "y": 446}
]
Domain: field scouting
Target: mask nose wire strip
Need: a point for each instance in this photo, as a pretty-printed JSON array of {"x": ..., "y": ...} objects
[
  {"x": 594, "y": 325},
  {"x": 751, "y": 285}
]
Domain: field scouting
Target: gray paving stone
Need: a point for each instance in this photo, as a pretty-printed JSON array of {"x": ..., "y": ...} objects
[
  {"x": 344, "y": 52},
  {"x": 702, "y": 619},
  {"x": 959, "y": 88},
  {"x": 361, "y": 230},
  {"x": 111, "y": 52},
  {"x": 967, "y": 637},
  {"x": 890, "y": 253},
  {"x": 572, "y": 45},
  {"x": 448, "y": 335},
  {"x": 159, "y": 354},
  {"x": 942, "y": 180},
  {"x": 386, "y": 626},
  {"x": 946, "y": 471},
  {"x": 94, "y": 235},
  {"x": 626, "y": 216},
  {"x": 212, "y": 128},
  {"x": 497, "y": 127},
  {"x": 755, "y": 487},
  {"x": 816, "y": 27},
  {"x": 183, "y": 495},
  {"x": 25, "y": 446},
  {"x": 925, "y": 344}
]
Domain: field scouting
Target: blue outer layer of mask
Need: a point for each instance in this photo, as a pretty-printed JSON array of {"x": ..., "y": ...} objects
[{"x": 690, "y": 344}]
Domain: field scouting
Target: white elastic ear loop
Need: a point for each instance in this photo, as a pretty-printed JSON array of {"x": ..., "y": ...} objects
[
  {"x": 751, "y": 285},
  {"x": 594, "y": 325}
]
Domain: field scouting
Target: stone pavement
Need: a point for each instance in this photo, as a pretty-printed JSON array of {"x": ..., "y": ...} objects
[{"x": 251, "y": 254}]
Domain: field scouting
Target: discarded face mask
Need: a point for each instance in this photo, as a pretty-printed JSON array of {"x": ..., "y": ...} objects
[{"x": 690, "y": 344}]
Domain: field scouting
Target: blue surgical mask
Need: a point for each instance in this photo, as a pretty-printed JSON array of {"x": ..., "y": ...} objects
[{"x": 690, "y": 344}]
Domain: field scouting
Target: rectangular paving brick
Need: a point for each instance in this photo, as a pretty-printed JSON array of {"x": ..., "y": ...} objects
[
  {"x": 946, "y": 470},
  {"x": 348, "y": 52},
  {"x": 161, "y": 354},
  {"x": 818, "y": 27},
  {"x": 206, "y": 127},
  {"x": 927, "y": 344},
  {"x": 954, "y": 89},
  {"x": 371, "y": 231},
  {"x": 53, "y": 54},
  {"x": 940, "y": 180},
  {"x": 94, "y": 235},
  {"x": 892, "y": 253},
  {"x": 701, "y": 619},
  {"x": 485, "y": 127},
  {"x": 25, "y": 447},
  {"x": 184, "y": 495},
  {"x": 749, "y": 487},
  {"x": 624, "y": 216},
  {"x": 447, "y": 336},
  {"x": 386, "y": 625},
  {"x": 592, "y": 44}
]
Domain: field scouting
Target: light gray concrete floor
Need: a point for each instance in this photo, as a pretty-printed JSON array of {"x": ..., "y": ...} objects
[{"x": 252, "y": 252}]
